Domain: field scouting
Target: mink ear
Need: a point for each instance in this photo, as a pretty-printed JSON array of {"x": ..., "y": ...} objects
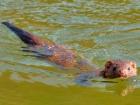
[
  {"x": 133, "y": 64},
  {"x": 108, "y": 64}
]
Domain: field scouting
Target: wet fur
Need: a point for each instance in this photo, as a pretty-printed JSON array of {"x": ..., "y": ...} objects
[
  {"x": 70, "y": 59},
  {"x": 53, "y": 52}
]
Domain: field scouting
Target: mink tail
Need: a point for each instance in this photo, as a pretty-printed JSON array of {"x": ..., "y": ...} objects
[{"x": 25, "y": 36}]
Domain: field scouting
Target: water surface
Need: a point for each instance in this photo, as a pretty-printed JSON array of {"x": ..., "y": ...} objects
[{"x": 97, "y": 29}]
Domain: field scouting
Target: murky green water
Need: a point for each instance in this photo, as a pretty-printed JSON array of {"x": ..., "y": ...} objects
[{"x": 97, "y": 29}]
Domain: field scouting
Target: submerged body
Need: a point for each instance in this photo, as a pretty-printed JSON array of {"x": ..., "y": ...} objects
[{"x": 70, "y": 59}]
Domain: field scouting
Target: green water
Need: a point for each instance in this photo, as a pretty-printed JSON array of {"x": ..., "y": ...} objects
[{"x": 97, "y": 29}]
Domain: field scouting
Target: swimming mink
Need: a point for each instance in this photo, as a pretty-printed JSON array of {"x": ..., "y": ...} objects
[{"x": 67, "y": 58}]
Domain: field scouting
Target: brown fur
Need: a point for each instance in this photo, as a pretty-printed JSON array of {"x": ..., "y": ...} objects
[
  {"x": 70, "y": 59},
  {"x": 120, "y": 68}
]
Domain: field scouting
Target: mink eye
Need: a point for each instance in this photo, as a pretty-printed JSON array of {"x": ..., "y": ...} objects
[
  {"x": 114, "y": 69},
  {"x": 128, "y": 69}
]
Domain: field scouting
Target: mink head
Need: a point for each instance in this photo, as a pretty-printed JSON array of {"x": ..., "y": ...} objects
[{"x": 120, "y": 68}]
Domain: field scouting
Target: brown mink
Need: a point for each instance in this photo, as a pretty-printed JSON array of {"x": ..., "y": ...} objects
[{"x": 70, "y": 59}]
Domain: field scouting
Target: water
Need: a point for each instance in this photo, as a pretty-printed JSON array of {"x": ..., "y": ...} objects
[{"x": 97, "y": 29}]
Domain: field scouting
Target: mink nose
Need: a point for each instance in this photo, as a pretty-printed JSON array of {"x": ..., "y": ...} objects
[{"x": 122, "y": 73}]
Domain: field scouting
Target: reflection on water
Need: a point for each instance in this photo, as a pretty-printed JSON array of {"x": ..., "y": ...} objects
[{"x": 97, "y": 29}]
